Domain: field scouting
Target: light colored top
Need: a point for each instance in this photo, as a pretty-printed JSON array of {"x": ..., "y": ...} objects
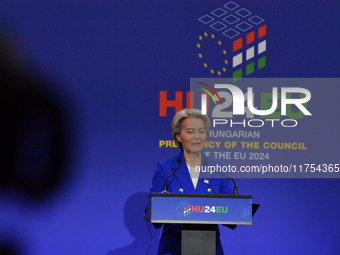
[{"x": 193, "y": 174}]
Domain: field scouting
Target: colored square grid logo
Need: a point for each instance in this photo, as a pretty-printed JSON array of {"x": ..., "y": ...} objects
[{"x": 233, "y": 41}]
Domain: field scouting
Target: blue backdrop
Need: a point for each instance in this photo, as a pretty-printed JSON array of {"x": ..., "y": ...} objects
[{"x": 111, "y": 59}]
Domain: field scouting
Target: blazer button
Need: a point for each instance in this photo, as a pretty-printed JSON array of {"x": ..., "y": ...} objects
[
  {"x": 181, "y": 190},
  {"x": 209, "y": 190}
]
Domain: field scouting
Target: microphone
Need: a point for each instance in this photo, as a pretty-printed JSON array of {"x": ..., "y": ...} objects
[
  {"x": 235, "y": 186},
  {"x": 165, "y": 187}
]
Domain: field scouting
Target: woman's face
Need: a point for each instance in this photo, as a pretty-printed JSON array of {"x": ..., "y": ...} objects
[{"x": 193, "y": 135}]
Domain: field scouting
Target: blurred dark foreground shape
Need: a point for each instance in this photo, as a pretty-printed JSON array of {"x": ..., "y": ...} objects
[{"x": 33, "y": 135}]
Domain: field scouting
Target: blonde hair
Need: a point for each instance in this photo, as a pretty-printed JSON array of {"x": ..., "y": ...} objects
[{"x": 177, "y": 122}]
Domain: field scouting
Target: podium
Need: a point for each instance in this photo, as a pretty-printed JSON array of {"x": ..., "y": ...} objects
[{"x": 199, "y": 214}]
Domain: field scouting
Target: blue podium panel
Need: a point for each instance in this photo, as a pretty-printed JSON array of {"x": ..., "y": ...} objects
[{"x": 201, "y": 208}]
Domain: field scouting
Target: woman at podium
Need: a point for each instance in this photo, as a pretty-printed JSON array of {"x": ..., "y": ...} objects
[{"x": 190, "y": 130}]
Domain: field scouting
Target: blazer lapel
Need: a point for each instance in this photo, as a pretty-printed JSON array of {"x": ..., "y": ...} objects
[
  {"x": 203, "y": 186},
  {"x": 184, "y": 180},
  {"x": 204, "y": 182}
]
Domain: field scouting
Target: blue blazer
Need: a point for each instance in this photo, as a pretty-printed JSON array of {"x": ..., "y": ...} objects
[{"x": 180, "y": 182}]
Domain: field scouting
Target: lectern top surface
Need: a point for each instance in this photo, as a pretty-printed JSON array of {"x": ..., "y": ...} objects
[{"x": 200, "y": 195}]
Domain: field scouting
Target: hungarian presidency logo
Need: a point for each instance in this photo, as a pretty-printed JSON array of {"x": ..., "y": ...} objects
[
  {"x": 233, "y": 41},
  {"x": 184, "y": 208}
]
